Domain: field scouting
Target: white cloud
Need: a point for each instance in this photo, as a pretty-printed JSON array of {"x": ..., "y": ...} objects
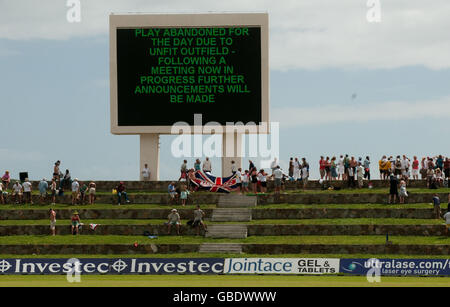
[
  {"x": 331, "y": 114},
  {"x": 309, "y": 34}
]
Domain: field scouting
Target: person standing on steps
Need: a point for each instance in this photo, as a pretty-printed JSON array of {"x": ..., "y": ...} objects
[{"x": 393, "y": 189}]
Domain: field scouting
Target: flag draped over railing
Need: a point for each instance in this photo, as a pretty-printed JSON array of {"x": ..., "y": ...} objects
[{"x": 208, "y": 182}]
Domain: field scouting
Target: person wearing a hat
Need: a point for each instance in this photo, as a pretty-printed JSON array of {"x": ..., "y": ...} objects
[
  {"x": 76, "y": 222},
  {"x": 174, "y": 219},
  {"x": 43, "y": 186},
  {"x": 75, "y": 191}
]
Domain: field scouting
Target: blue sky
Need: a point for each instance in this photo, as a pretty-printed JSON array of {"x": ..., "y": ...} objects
[{"x": 54, "y": 84}]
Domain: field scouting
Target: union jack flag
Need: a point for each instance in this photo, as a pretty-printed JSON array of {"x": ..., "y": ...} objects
[{"x": 208, "y": 182}]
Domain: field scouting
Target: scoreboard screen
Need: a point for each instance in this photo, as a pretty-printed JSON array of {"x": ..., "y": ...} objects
[{"x": 166, "y": 74}]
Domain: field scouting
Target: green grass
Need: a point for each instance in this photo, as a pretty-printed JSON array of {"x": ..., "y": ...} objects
[
  {"x": 101, "y": 206},
  {"x": 368, "y": 191},
  {"x": 212, "y": 206},
  {"x": 346, "y": 221},
  {"x": 174, "y": 239},
  {"x": 220, "y": 281},
  {"x": 350, "y": 206}
]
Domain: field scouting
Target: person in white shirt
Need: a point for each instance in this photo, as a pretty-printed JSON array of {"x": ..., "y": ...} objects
[
  {"x": 238, "y": 175},
  {"x": 340, "y": 168},
  {"x": 233, "y": 168},
  {"x": 75, "y": 190},
  {"x": 17, "y": 192},
  {"x": 207, "y": 166},
  {"x": 273, "y": 165},
  {"x": 262, "y": 177},
  {"x": 278, "y": 176},
  {"x": 360, "y": 174},
  {"x": 297, "y": 174},
  {"x": 245, "y": 181},
  {"x": 27, "y": 191},
  {"x": 145, "y": 173}
]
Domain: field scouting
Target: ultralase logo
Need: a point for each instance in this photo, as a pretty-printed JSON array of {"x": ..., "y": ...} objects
[{"x": 112, "y": 266}]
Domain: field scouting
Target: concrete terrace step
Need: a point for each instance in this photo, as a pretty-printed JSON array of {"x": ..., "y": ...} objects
[
  {"x": 227, "y": 231},
  {"x": 231, "y": 215},
  {"x": 220, "y": 248},
  {"x": 237, "y": 201}
]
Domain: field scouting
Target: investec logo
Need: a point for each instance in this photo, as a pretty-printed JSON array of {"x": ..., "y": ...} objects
[
  {"x": 4, "y": 266},
  {"x": 111, "y": 266}
]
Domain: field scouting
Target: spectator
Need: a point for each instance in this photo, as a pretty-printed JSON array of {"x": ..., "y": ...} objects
[
  {"x": 350, "y": 177},
  {"x": 447, "y": 217},
  {"x": 207, "y": 168},
  {"x": 43, "y": 186},
  {"x": 439, "y": 162},
  {"x": 360, "y": 175},
  {"x": 327, "y": 169},
  {"x": 415, "y": 168},
  {"x": 436, "y": 207},
  {"x": 172, "y": 191},
  {"x": 439, "y": 177},
  {"x": 198, "y": 220},
  {"x": 447, "y": 167},
  {"x": 305, "y": 172},
  {"x": 75, "y": 191},
  {"x": 346, "y": 167},
  {"x": 322, "y": 167},
  {"x": 6, "y": 179},
  {"x": 333, "y": 169},
  {"x": 297, "y": 170},
  {"x": 353, "y": 165},
  {"x": 405, "y": 167},
  {"x": 2, "y": 199},
  {"x": 245, "y": 181},
  {"x": 66, "y": 181},
  {"x": 145, "y": 173},
  {"x": 291, "y": 168},
  {"x": 53, "y": 218},
  {"x": 92, "y": 188},
  {"x": 233, "y": 167},
  {"x": 254, "y": 178},
  {"x": 76, "y": 223},
  {"x": 183, "y": 171},
  {"x": 424, "y": 168},
  {"x": 121, "y": 191},
  {"x": 83, "y": 190},
  {"x": 393, "y": 189},
  {"x": 366, "y": 166},
  {"x": 17, "y": 192},
  {"x": 183, "y": 195},
  {"x": 239, "y": 180},
  {"x": 273, "y": 165},
  {"x": 403, "y": 193},
  {"x": 278, "y": 176},
  {"x": 53, "y": 188},
  {"x": 56, "y": 171},
  {"x": 341, "y": 168},
  {"x": 173, "y": 219},
  {"x": 197, "y": 165},
  {"x": 27, "y": 191},
  {"x": 262, "y": 176}
]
